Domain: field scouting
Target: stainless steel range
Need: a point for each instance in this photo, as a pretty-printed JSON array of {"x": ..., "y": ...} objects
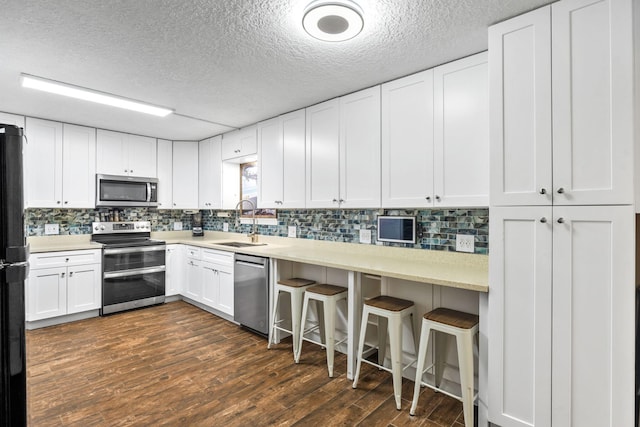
[{"x": 133, "y": 265}]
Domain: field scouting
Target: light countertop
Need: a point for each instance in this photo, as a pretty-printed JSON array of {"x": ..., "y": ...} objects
[{"x": 452, "y": 269}]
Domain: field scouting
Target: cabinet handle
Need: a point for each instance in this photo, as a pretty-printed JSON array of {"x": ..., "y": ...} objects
[
  {"x": 543, "y": 191},
  {"x": 428, "y": 198},
  {"x": 437, "y": 198},
  {"x": 560, "y": 190},
  {"x": 61, "y": 274},
  {"x": 560, "y": 220},
  {"x": 543, "y": 220}
]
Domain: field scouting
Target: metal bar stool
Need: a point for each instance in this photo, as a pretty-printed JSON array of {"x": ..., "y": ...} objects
[
  {"x": 391, "y": 313},
  {"x": 295, "y": 287},
  {"x": 463, "y": 326},
  {"x": 328, "y": 295}
]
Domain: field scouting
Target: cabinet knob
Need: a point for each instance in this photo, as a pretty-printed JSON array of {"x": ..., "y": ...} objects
[
  {"x": 335, "y": 200},
  {"x": 61, "y": 274},
  {"x": 437, "y": 198},
  {"x": 66, "y": 260},
  {"x": 560, "y": 190},
  {"x": 66, "y": 201},
  {"x": 131, "y": 171},
  {"x": 71, "y": 274},
  {"x": 174, "y": 204},
  {"x": 543, "y": 191},
  {"x": 58, "y": 202},
  {"x": 428, "y": 198},
  {"x": 126, "y": 171},
  {"x": 560, "y": 220},
  {"x": 543, "y": 220},
  {"x": 341, "y": 200}
]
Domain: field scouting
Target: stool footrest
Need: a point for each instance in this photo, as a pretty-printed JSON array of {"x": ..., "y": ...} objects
[
  {"x": 283, "y": 329},
  {"x": 439, "y": 390}
]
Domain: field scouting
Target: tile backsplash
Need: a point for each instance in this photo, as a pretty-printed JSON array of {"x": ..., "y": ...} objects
[{"x": 436, "y": 228}]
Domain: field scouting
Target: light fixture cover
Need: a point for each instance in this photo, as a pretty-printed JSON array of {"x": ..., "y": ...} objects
[
  {"x": 85, "y": 94},
  {"x": 333, "y": 20}
]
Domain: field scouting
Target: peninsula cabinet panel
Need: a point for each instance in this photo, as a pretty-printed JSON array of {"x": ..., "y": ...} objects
[
  {"x": 593, "y": 316},
  {"x": 520, "y": 277},
  {"x": 407, "y": 141}
]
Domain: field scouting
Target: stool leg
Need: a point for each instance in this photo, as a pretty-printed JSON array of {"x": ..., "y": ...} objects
[
  {"x": 441, "y": 341},
  {"x": 422, "y": 355},
  {"x": 465, "y": 360},
  {"x": 274, "y": 315},
  {"x": 363, "y": 333},
  {"x": 329, "y": 307},
  {"x": 395, "y": 342},
  {"x": 321, "y": 322},
  {"x": 298, "y": 343},
  {"x": 296, "y": 305},
  {"x": 383, "y": 324}
]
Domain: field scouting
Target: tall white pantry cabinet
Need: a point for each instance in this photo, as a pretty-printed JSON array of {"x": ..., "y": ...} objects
[{"x": 560, "y": 336}]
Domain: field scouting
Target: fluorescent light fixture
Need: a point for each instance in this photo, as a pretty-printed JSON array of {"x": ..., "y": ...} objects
[
  {"x": 333, "y": 20},
  {"x": 79, "y": 92}
]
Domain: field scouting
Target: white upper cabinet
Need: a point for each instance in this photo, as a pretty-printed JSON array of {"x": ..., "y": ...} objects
[
  {"x": 210, "y": 173},
  {"x": 323, "y": 155},
  {"x": 407, "y": 141},
  {"x": 281, "y": 161},
  {"x": 575, "y": 114},
  {"x": 185, "y": 174},
  {"x": 239, "y": 143},
  {"x": 165, "y": 174},
  {"x": 126, "y": 154},
  {"x": 343, "y": 152},
  {"x": 360, "y": 149},
  {"x": 461, "y": 133},
  {"x": 59, "y": 165}
]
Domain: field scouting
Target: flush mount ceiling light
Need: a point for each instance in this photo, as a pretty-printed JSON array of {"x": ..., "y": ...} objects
[
  {"x": 79, "y": 92},
  {"x": 333, "y": 20}
]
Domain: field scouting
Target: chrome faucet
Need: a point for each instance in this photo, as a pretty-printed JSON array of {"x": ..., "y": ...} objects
[{"x": 253, "y": 234}]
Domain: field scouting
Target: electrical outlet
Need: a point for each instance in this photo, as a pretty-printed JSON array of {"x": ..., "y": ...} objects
[
  {"x": 225, "y": 226},
  {"x": 177, "y": 226},
  {"x": 51, "y": 229},
  {"x": 293, "y": 231},
  {"x": 365, "y": 236},
  {"x": 223, "y": 215},
  {"x": 465, "y": 243}
]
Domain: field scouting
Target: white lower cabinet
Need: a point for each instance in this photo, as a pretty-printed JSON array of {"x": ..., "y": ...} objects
[
  {"x": 175, "y": 271},
  {"x": 209, "y": 278},
  {"x": 62, "y": 283},
  {"x": 561, "y": 330}
]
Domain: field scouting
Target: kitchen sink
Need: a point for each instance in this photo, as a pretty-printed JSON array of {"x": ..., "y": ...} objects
[{"x": 239, "y": 244}]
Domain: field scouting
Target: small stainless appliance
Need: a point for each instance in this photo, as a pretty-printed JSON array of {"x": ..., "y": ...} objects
[
  {"x": 251, "y": 293},
  {"x": 196, "y": 229},
  {"x": 133, "y": 265},
  {"x": 126, "y": 191}
]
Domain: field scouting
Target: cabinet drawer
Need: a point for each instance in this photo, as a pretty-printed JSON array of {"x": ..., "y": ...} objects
[
  {"x": 194, "y": 252},
  {"x": 65, "y": 258},
  {"x": 220, "y": 257}
]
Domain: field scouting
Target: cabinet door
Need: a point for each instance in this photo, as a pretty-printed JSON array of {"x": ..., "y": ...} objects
[
  {"x": 519, "y": 336},
  {"x": 193, "y": 285},
  {"x": 165, "y": 174},
  {"x": 210, "y": 173},
  {"x": 592, "y": 102},
  {"x": 593, "y": 316},
  {"x": 461, "y": 133},
  {"x": 111, "y": 153},
  {"x": 247, "y": 138},
  {"x": 271, "y": 163},
  {"x": 46, "y": 293},
  {"x": 175, "y": 269},
  {"x": 407, "y": 141},
  {"x": 323, "y": 155},
  {"x": 225, "y": 290},
  {"x": 520, "y": 105},
  {"x": 84, "y": 288},
  {"x": 78, "y": 167},
  {"x": 185, "y": 175},
  {"x": 210, "y": 285},
  {"x": 360, "y": 149},
  {"x": 44, "y": 163},
  {"x": 231, "y": 146},
  {"x": 142, "y": 152},
  {"x": 293, "y": 170}
]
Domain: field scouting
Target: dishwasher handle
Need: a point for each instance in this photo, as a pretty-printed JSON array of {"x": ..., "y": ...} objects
[{"x": 250, "y": 264}]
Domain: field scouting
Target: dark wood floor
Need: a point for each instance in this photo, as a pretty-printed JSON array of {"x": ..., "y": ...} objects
[{"x": 178, "y": 365}]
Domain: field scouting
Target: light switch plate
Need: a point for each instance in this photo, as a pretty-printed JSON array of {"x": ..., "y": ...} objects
[
  {"x": 225, "y": 226},
  {"x": 465, "y": 243},
  {"x": 293, "y": 231},
  {"x": 51, "y": 229},
  {"x": 177, "y": 226},
  {"x": 365, "y": 236}
]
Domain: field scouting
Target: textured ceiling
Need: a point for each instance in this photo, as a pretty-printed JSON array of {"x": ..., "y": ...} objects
[{"x": 228, "y": 63}]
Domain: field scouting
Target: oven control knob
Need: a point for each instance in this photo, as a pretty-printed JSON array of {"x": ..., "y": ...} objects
[
  {"x": 102, "y": 227},
  {"x": 96, "y": 228}
]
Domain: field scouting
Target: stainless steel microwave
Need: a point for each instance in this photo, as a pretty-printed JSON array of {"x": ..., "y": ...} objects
[{"x": 123, "y": 191}]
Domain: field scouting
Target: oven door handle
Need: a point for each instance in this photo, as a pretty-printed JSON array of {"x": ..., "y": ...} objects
[
  {"x": 134, "y": 272},
  {"x": 135, "y": 249}
]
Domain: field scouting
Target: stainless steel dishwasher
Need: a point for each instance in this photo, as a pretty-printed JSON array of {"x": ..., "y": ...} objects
[{"x": 251, "y": 293}]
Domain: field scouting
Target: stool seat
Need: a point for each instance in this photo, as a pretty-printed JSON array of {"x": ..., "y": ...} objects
[
  {"x": 327, "y": 290},
  {"x": 457, "y": 319},
  {"x": 296, "y": 282},
  {"x": 388, "y": 303}
]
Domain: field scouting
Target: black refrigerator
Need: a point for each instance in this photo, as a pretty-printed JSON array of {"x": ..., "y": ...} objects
[{"x": 14, "y": 267}]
